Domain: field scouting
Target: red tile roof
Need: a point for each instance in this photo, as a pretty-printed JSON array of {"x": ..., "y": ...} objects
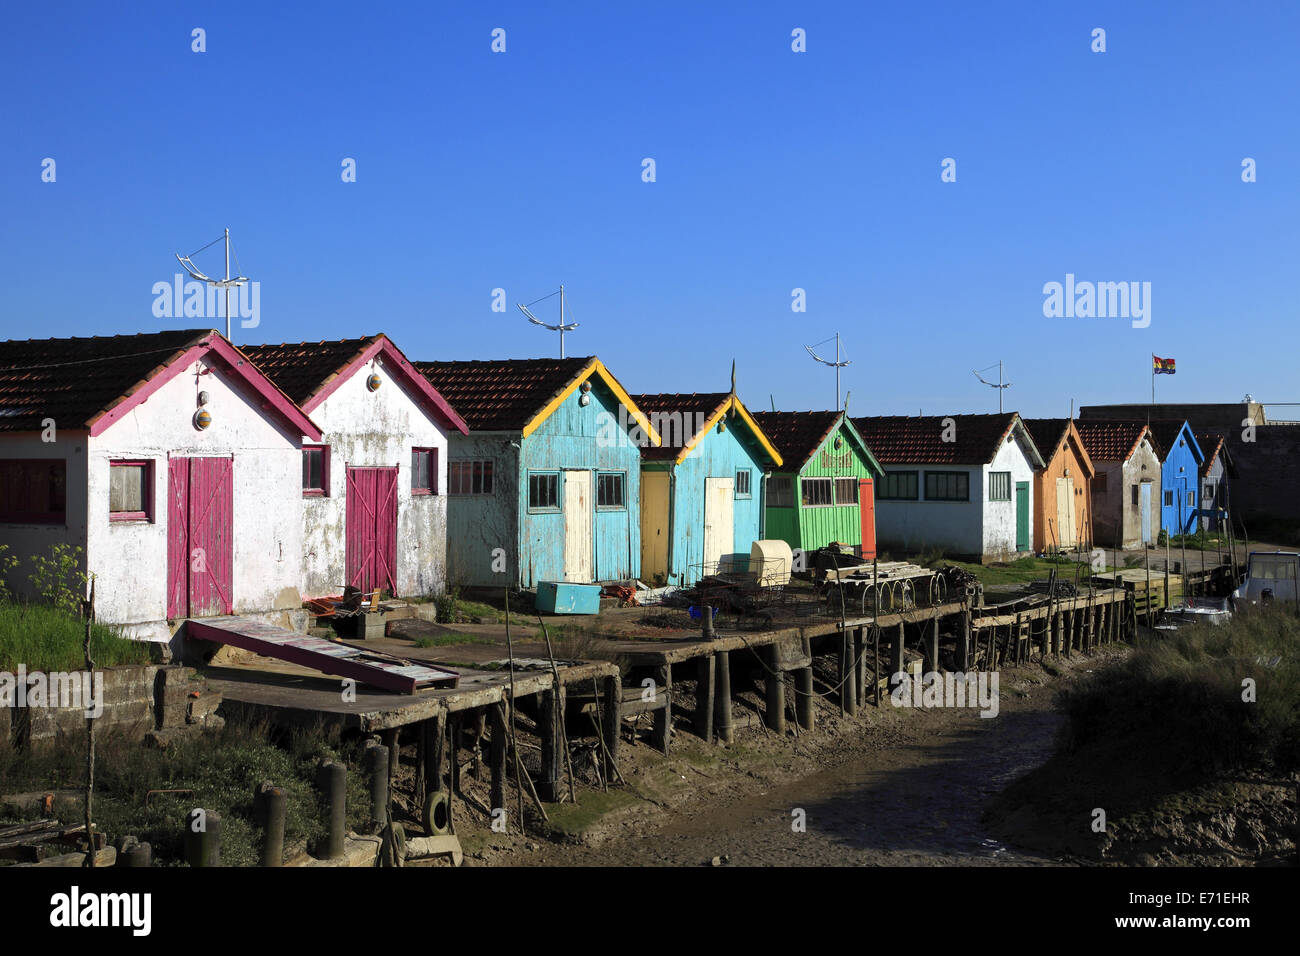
[
  {"x": 1213, "y": 445},
  {"x": 302, "y": 369},
  {"x": 907, "y": 439},
  {"x": 1164, "y": 431},
  {"x": 505, "y": 394},
  {"x": 796, "y": 435},
  {"x": 1111, "y": 440},
  {"x": 73, "y": 380},
  {"x": 1047, "y": 433}
]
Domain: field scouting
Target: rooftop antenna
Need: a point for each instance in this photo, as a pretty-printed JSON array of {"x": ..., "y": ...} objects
[
  {"x": 837, "y": 364},
  {"x": 187, "y": 263},
  {"x": 999, "y": 384},
  {"x": 561, "y": 327}
]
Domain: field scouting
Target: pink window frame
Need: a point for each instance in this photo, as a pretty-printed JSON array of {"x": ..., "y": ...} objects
[
  {"x": 324, "y": 473},
  {"x": 433, "y": 471},
  {"x": 146, "y": 492}
]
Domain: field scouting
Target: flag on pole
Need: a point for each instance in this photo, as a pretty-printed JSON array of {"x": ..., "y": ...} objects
[{"x": 1162, "y": 366}]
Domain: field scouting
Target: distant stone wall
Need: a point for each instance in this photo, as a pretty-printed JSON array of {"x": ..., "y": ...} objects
[{"x": 1267, "y": 483}]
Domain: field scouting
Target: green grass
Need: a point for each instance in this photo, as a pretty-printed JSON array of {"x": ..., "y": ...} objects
[
  {"x": 1162, "y": 730},
  {"x": 222, "y": 768},
  {"x": 44, "y": 638},
  {"x": 447, "y": 640}
]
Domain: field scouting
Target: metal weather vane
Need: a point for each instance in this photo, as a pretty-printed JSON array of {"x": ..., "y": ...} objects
[{"x": 560, "y": 327}]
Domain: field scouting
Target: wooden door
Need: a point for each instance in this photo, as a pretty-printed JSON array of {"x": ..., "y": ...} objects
[
  {"x": 1065, "y": 519},
  {"x": 867, "y": 506},
  {"x": 578, "y": 536},
  {"x": 200, "y": 537},
  {"x": 1022, "y": 516},
  {"x": 370, "y": 529},
  {"x": 719, "y": 521},
  {"x": 654, "y": 525}
]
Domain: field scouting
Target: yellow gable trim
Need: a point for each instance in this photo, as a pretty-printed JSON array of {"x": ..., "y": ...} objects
[
  {"x": 731, "y": 402},
  {"x": 597, "y": 368}
]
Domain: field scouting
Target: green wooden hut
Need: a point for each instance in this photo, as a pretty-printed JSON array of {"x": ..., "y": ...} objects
[{"x": 824, "y": 492}]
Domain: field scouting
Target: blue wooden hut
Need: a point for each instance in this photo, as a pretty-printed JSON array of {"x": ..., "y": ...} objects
[
  {"x": 547, "y": 484},
  {"x": 1181, "y": 459},
  {"x": 702, "y": 489}
]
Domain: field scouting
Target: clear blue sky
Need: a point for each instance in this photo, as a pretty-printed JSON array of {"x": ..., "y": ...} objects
[{"x": 775, "y": 170}]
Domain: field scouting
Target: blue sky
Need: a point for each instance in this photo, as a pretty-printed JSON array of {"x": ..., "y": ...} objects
[{"x": 775, "y": 170}]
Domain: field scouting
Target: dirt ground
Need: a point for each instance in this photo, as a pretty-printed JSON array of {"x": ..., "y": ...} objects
[{"x": 894, "y": 786}]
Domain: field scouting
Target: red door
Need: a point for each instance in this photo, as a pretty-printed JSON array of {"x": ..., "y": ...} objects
[
  {"x": 200, "y": 536},
  {"x": 867, "y": 506},
  {"x": 371, "y": 529}
]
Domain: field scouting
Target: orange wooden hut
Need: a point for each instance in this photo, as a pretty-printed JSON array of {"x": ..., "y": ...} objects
[{"x": 1063, "y": 516}]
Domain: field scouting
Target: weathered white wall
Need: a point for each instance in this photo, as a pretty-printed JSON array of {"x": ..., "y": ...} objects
[
  {"x": 916, "y": 526},
  {"x": 366, "y": 429},
  {"x": 27, "y": 540},
  {"x": 1117, "y": 522},
  {"x": 1000, "y": 516},
  {"x": 129, "y": 559}
]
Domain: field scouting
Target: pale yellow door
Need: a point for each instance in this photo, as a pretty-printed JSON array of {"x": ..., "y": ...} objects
[
  {"x": 577, "y": 526},
  {"x": 654, "y": 526},
  {"x": 719, "y": 521},
  {"x": 1065, "y": 526}
]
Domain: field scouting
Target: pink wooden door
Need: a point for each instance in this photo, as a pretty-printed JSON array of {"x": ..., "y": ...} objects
[
  {"x": 371, "y": 529},
  {"x": 200, "y": 537}
]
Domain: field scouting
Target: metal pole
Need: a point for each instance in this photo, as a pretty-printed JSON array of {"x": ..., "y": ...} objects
[
  {"x": 837, "y": 370},
  {"x": 227, "y": 282},
  {"x": 561, "y": 320},
  {"x": 1000, "y": 386}
]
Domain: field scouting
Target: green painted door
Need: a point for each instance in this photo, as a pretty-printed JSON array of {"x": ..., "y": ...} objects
[{"x": 1022, "y": 516}]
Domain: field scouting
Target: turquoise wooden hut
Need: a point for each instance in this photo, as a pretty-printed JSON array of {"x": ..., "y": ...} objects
[
  {"x": 702, "y": 488},
  {"x": 546, "y": 486}
]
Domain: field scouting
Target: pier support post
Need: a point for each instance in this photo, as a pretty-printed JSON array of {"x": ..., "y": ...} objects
[
  {"x": 612, "y": 720},
  {"x": 332, "y": 782},
  {"x": 932, "y": 645},
  {"x": 803, "y": 697},
  {"x": 963, "y": 643},
  {"x": 497, "y": 756},
  {"x": 270, "y": 804},
  {"x": 548, "y": 727},
  {"x": 896, "y": 652},
  {"x": 203, "y": 838},
  {"x": 377, "y": 768},
  {"x": 860, "y": 665},
  {"x": 390, "y": 738},
  {"x": 722, "y": 697},
  {"x": 663, "y": 717},
  {"x": 848, "y": 699},
  {"x": 704, "y": 698},
  {"x": 433, "y": 753},
  {"x": 774, "y": 685}
]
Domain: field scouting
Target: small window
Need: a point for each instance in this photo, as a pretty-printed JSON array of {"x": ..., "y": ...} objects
[
  {"x": 1169, "y": 499},
  {"x": 424, "y": 471},
  {"x": 816, "y": 492},
  {"x": 742, "y": 484},
  {"x": 898, "y": 486},
  {"x": 469, "y": 477},
  {"x": 1135, "y": 494},
  {"x": 947, "y": 486},
  {"x": 609, "y": 490},
  {"x": 780, "y": 491},
  {"x": 33, "y": 491},
  {"x": 1191, "y": 498},
  {"x": 1209, "y": 492},
  {"x": 130, "y": 491},
  {"x": 1099, "y": 483},
  {"x": 315, "y": 471},
  {"x": 544, "y": 492},
  {"x": 999, "y": 486},
  {"x": 846, "y": 491}
]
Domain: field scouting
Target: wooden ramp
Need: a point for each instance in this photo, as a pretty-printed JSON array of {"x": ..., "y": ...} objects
[{"x": 328, "y": 657}]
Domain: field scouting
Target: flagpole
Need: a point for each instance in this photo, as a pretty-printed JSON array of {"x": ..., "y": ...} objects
[{"x": 1153, "y": 378}]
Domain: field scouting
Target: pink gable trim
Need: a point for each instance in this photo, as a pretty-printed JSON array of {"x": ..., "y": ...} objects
[
  {"x": 274, "y": 400},
  {"x": 432, "y": 399}
]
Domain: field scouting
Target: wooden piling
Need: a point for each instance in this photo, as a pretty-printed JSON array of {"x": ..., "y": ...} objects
[
  {"x": 722, "y": 697},
  {"x": 332, "y": 782},
  {"x": 774, "y": 686},
  {"x": 203, "y": 838},
  {"x": 704, "y": 691},
  {"x": 497, "y": 756},
  {"x": 270, "y": 804},
  {"x": 932, "y": 645},
  {"x": 803, "y": 699},
  {"x": 611, "y": 720},
  {"x": 859, "y": 666},
  {"x": 548, "y": 725},
  {"x": 663, "y": 717},
  {"x": 377, "y": 769}
]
